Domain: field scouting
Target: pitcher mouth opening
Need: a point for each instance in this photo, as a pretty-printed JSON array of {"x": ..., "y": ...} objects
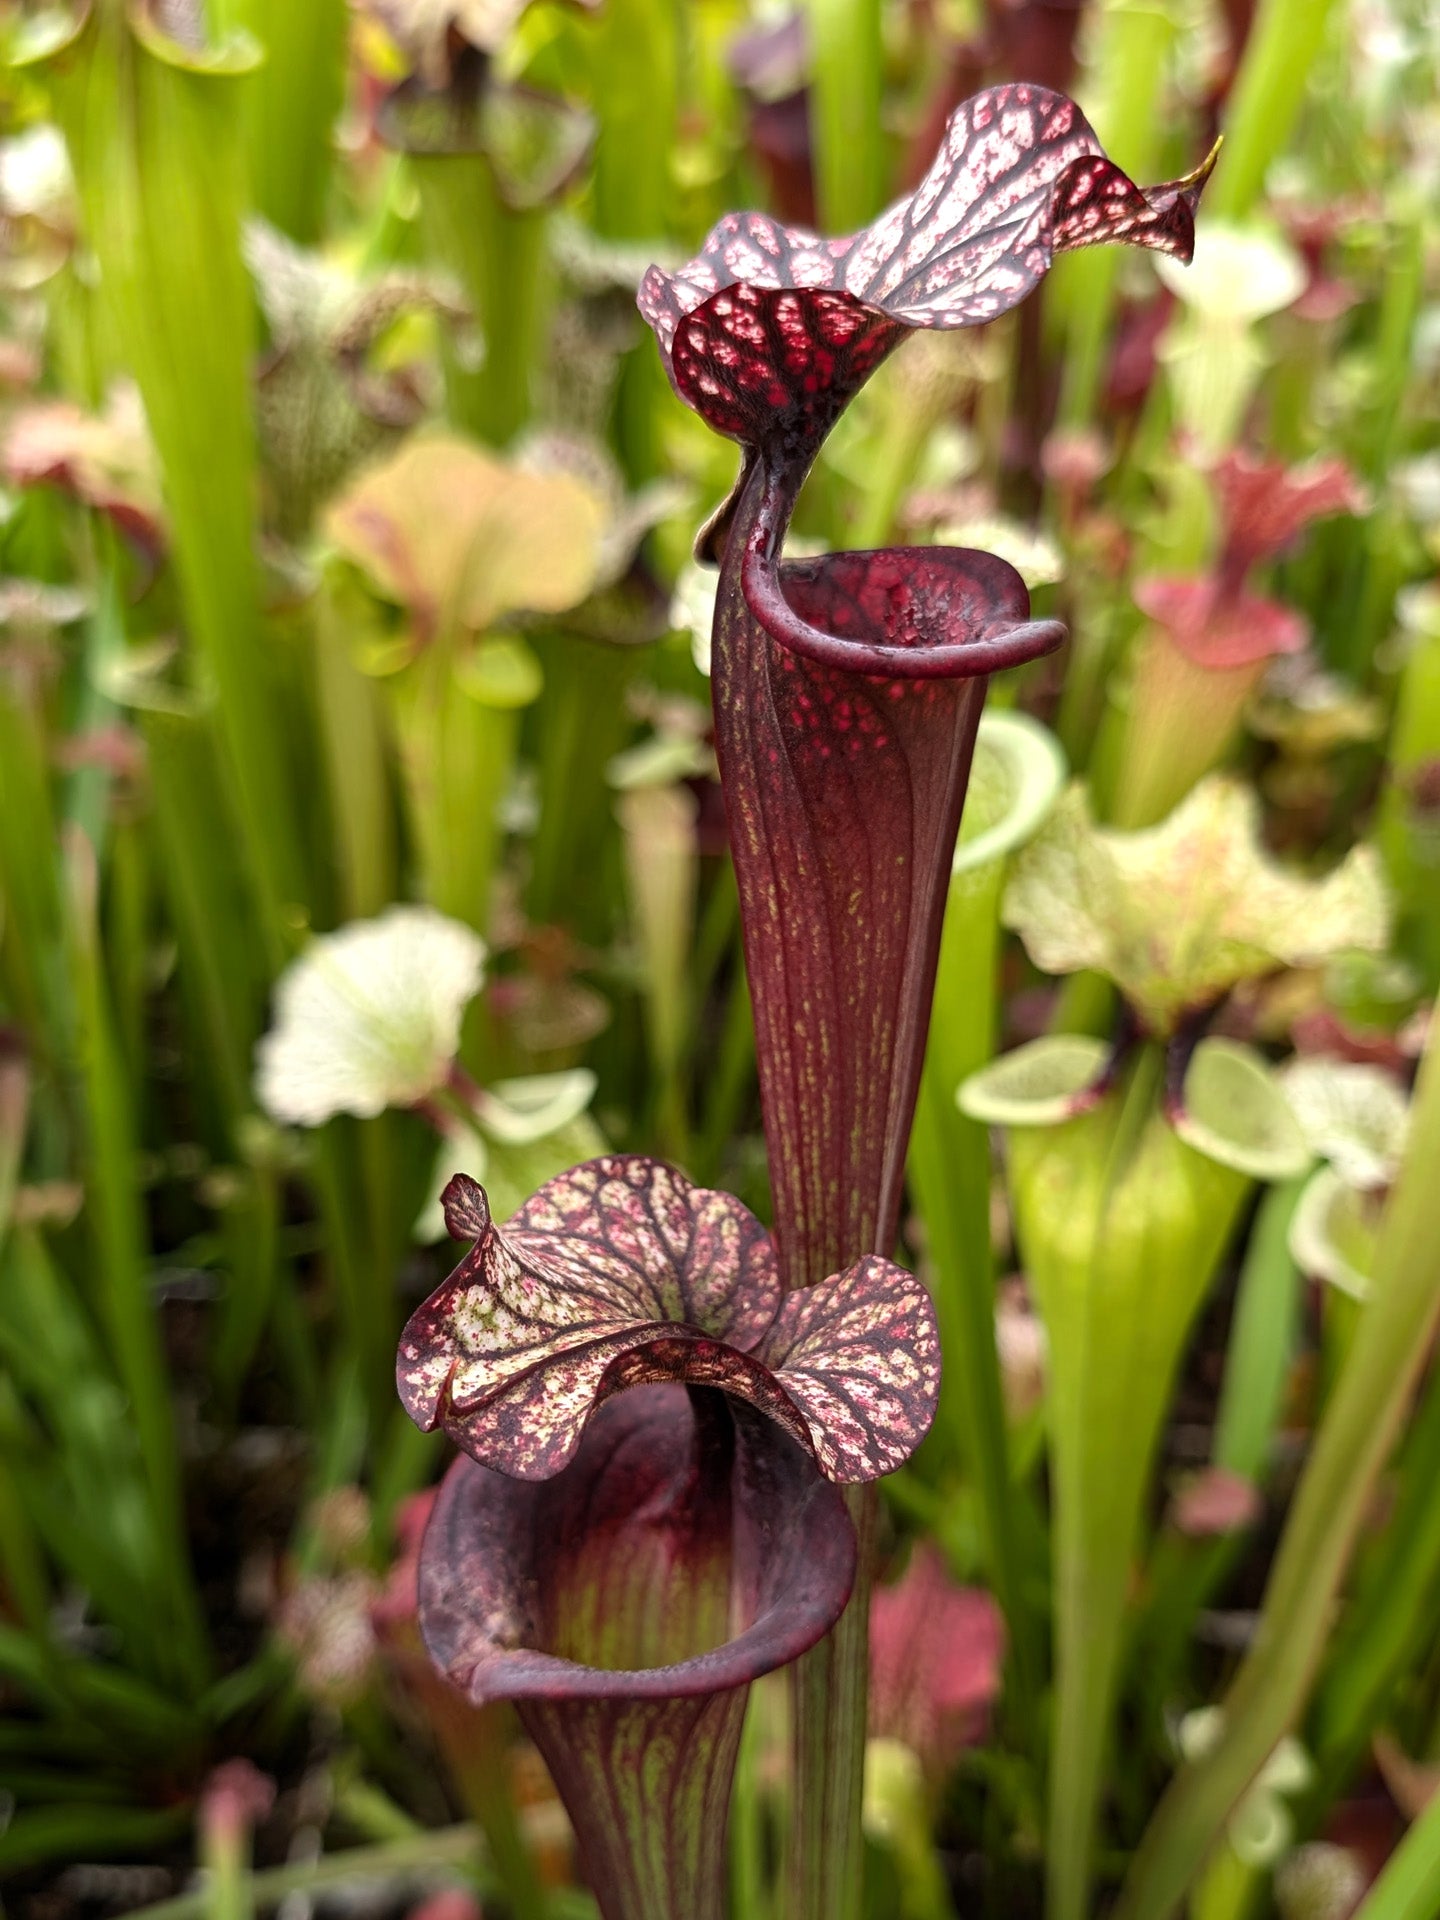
[
  {"x": 894, "y": 613},
  {"x": 765, "y": 1541}
]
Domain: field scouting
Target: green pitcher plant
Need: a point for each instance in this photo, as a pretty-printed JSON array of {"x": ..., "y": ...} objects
[{"x": 1127, "y": 1168}]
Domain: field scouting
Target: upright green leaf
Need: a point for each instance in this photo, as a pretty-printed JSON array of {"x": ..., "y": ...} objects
[{"x": 154, "y": 132}]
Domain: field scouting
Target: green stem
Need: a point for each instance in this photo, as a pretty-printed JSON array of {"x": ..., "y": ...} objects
[
  {"x": 1393, "y": 1617},
  {"x": 225, "y": 1858},
  {"x": 661, "y": 869},
  {"x": 580, "y": 723},
  {"x": 749, "y": 1882},
  {"x": 498, "y": 256},
  {"x": 634, "y": 68},
  {"x": 1228, "y": 1888},
  {"x": 1262, "y": 1340},
  {"x": 1136, "y": 48},
  {"x": 950, "y": 1169},
  {"x": 1266, "y": 100},
  {"x": 457, "y": 753},
  {"x": 121, "y": 1264},
  {"x": 33, "y": 971},
  {"x": 363, "y": 1288},
  {"x": 1358, "y": 614},
  {"x": 1102, "y": 1204},
  {"x": 1353, "y": 1444},
  {"x": 220, "y": 975},
  {"x": 220, "y": 971},
  {"x": 1409, "y": 1888},
  {"x": 293, "y": 104},
  {"x": 1404, "y": 843},
  {"x": 827, "y": 1848},
  {"x": 906, "y": 430},
  {"x": 1094, "y": 1531},
  {"x": 155, "y": 145},
  {"x": 635, "y": 75},
  {"x": 350, "y": 720},
  {"x": 716, "y": 938},
  {"x": 87, "y": 798},
  {"x": 1184, "y": 1573},
  {"x": 847, "y": 67}
]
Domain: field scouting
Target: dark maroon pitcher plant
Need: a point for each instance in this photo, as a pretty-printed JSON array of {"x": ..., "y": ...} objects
[
  {"x": 623, "y": 1567},
  {"x": 623, "y": 1563},
  {"x": 847, "y": 694}
]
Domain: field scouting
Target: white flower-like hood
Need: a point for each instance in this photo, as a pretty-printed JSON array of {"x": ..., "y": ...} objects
[
  {"x": 368, "y": 1017},
  {"x": 1178, "y": 914}
]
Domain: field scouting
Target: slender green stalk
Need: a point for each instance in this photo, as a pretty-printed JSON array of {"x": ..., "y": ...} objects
[
  {"x": 1183, "y": 1573},
  {"x": 1093, "y": 1529},
  {"x": 1402, "y": 296},
  {"x": 1228, "y": 1889},
  {"x": 220, "y": 971},
  {"x": 580, "y": 723},
  {"x": 363, "y": 1284},
  {"x": 1352, "y": 1446},
  {"x": 1393, "y": 1617},
  {"x": 87, "y": 797},
  {"x": 1103, "y": 1203},
  {"x": 1266, "y": 99},
  {"x": 351, "y": 721},
  {"x": 32, "y": 963},
  {"x": 155, "y": 141},
  {"x": 635, "y": 81},
  {"x": 950, "y": 1169},
  {"x": 635, "y": 96},
  {"x": 829, "y": 1684},
  {"x": 906, "y": 430},
  {"x": 225, "y": 1859},
  {"x": 1358, "y": 614},
  {"x": 1262, "y": 1340},
  {"x": 847, "y": 67},
  {"x": 749, "y": 1881},
  {"x": 220, "y": 976},
  {"x": 1136, "y": 41},
  {"x": 498, "y": 255},
  {"x": 294, "y": 101},
  {"x": 129, "y": 916},
  {"x": 457, "y": 754},
  {"x": 121, "y": 1267},
  {"x": 662, "y": 867},
  {"x": 1414, "y": 739},
  {"x": 1409, "y": 1888}
]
